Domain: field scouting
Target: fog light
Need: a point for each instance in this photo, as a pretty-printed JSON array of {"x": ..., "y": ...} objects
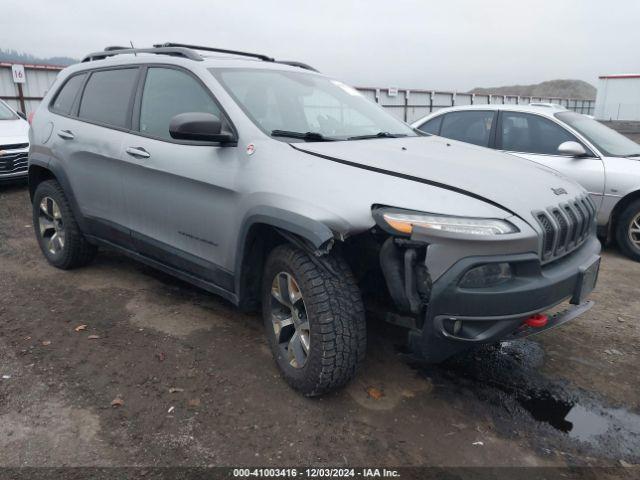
[
  {"x": 453, "y": 326},
  {"x": 457, "y": 326},
  {"x": 488, "y": 275}
]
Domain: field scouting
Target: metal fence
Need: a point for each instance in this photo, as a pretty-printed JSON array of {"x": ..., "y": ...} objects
[
  {"x": 26, "y": 96},
  {"x": 411, "y": 105},
  {"x": 407, "y": 105}
]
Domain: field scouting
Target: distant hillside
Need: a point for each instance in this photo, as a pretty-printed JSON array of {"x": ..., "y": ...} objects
[
  {"x": 552, "y": 88},
  {"x": 17, "y": 57}
]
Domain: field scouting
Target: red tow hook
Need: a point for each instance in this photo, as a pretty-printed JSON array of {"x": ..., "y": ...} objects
[{"x": 536, "y": 321}]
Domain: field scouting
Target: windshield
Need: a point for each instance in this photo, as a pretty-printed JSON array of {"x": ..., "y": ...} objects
[
  {"x": 284, "y": 103},
  {"x": 6, "y": 113},
  {"x": 608, "y": 141}
]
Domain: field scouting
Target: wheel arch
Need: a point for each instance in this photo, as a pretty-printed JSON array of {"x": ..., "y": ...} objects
[
  {"x": 624, "y": 202},
  {"x": 263, "y": 229},
  {"x": 40, "y": 171}
]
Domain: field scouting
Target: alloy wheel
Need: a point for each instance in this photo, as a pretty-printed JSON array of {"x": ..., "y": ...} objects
[
  {"x": 51, "y": 225},
  {"x": 634, "y": 231},
  {"x": 289, "y": 319}
]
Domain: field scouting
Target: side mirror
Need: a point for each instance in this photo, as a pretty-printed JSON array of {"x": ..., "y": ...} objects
[
  {"x": 203, "y": 127},
  {"x": 572, "y": 149},
  {"x": 22, "y": 115}
]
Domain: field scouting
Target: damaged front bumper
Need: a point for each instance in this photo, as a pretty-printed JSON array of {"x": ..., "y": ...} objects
[{"x": 456, "y": 318}]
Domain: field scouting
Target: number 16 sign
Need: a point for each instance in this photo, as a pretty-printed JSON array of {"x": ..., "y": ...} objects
[{"x": 18, "y": 73}]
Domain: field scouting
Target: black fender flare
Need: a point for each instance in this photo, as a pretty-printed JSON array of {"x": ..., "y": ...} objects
[
  {"x": 315, "y": 234},
  {"x": 61, "y": 177}
]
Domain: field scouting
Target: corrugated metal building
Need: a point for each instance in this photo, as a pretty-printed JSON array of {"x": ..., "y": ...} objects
[
  {"x": 26, "y": 96},
  {"x": 618, "y": 97}
]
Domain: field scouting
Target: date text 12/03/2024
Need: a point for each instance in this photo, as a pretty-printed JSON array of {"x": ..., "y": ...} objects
[{"x": 316, "y": 472}]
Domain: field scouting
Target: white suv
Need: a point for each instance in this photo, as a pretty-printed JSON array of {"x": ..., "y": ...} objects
[{"x": 14, "y": 143}]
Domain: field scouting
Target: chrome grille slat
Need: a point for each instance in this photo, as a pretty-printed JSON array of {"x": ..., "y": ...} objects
[
  {"x": 13, "y": 163},
  {"x": 565, "y": 226},
  {"x": 13, "y": 156}
]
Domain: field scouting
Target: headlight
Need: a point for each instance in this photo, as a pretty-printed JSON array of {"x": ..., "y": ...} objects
[
  {"x": 404, "y": 222},
  {"x": 488, "y": 275}
]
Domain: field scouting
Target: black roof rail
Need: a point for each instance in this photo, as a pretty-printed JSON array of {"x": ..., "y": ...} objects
[
  {"x": 259, "y": 56},
  {"x": 115, "y": 47},
  {"x": 176, "y": 52},
  {"x": 219, "y": 50},
  {"x": 186, "y": 51},
  {"x": 297, "y": 64}
]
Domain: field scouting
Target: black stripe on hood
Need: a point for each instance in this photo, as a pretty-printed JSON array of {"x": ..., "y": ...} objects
[{"x": 406, "y": 177}]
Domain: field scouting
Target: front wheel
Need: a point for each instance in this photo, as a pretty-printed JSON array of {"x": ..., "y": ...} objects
[
  {"x": 628, "y": 231},
  {"x": 314, "y": 320}
]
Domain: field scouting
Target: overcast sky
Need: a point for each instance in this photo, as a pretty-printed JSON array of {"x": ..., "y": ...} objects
[{"x": 446, "y": 44}]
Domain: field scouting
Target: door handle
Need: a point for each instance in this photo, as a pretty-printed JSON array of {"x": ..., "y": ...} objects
[
  {"x": 138, "y": 152},
  {"x": 66, "y": 134}
]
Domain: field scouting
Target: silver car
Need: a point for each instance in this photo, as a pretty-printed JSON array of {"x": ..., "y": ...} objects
[
  {"x": 605, "y": 162},
  {"x": 286, "y": 191}
]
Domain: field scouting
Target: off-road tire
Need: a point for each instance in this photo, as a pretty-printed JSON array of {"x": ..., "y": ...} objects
[
  {"x": 336, "y": 318},
  {"x": 76, "y": 252},
  {"x": 622, "y": 230}
]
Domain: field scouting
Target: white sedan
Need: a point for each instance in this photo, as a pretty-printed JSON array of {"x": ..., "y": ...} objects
[{"x": 605, "y": 162}]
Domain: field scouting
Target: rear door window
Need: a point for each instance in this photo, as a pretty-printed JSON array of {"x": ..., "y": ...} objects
[
  {"x": 470, "y": 126},
  {"x": 167, "y": 93},
  {"x": 67, "y": 95},
  {"x": 432, "y": 126},
  {"x": 107, "y": 97},
  {"x": 527, "y": 133}
]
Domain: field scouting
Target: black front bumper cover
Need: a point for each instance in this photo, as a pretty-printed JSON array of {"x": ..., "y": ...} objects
[{"x": 487, "y": 314}]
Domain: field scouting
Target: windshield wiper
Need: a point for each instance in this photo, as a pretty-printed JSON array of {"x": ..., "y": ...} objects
[
  {"x": 308, "y": 136},
  {"x": 378, "y": 135},
  {"x": 633, "y": 155}
]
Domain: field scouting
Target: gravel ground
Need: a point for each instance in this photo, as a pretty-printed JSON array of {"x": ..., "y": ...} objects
[{"x": 166, "y": 374}]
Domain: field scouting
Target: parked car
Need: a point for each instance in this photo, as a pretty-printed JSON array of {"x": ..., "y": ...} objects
[
  {"x": 14, "y": 143},
  {"x": 605, "y": 162},
  {"x": 285, "y": 190}
]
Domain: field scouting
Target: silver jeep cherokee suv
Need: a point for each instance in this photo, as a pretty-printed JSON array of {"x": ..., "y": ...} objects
[{"x": 280, "y": 188}]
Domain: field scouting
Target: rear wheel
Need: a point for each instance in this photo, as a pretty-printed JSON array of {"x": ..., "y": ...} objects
[
  {"x": 314, "y": 320},
  {"x": 628, "y": 231},
  {"x": 56, "y": 229}
]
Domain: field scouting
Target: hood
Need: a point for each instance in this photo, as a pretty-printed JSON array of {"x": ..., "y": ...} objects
[
  {"x": 14, "y": 131},
  {"x": 515, "y": 184}
]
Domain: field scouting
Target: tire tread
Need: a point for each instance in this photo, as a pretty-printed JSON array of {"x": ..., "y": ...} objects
[
  {"x": 77, "y": 251},
  {"x": 340, "y": 316},
  {"x": 622, "y": 230}
]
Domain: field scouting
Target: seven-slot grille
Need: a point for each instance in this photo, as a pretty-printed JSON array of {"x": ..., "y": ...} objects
[
  {"x": 565, "y": 227},
  {"x": 13, "y": 162}
]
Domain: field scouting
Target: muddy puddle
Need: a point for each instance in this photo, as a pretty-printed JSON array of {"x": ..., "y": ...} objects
[{"x": 507, "y": 377}]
